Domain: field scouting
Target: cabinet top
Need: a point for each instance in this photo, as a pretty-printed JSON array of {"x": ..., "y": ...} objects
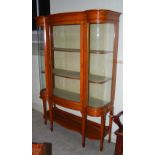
[{"x": 90, "y": 16}]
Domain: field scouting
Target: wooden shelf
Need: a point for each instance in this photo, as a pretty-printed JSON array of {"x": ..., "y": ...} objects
[
  {"x": 93, "y": 102},
  {"x": 74, "y": 123},
  {"x": 76, "y": 75},
  {"x": 78, "y": 50}
]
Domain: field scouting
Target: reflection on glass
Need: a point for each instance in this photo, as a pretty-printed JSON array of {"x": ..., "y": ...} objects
[{"x": 101, "y": 37}]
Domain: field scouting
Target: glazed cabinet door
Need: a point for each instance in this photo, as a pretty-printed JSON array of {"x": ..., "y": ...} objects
[{"x": 66, "y": 61}]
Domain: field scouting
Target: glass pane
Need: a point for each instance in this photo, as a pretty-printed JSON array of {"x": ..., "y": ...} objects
[
  {"x": 66, "y": 39},
  {"x": 41, "y": 58},
  {"x": 101, "y": 59},
  {"x": 67, "y": 61},
  {"x": 67, "y": 36},
  {"x": 66, "y": 42},
  {"x": 67, "y": 84},
  {"x": 101, "y": 36}
]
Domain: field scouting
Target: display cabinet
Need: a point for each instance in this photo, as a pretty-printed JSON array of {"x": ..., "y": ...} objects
[{"x": 78, "y": 69}]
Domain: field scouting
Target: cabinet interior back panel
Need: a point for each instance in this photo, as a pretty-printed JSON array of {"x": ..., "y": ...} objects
[
  {"x": 67, "y": 36},
  {"x": 67, "y": 61},
  {"x": 71, "y": 85}
]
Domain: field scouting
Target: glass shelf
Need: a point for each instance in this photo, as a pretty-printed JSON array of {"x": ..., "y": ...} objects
[
  {"x": 67, "y": 73},
  {"x": 66, "y": 94},
  {"x": 78, "y": 50},
  {"x": 101, "y": 51},
  {"x": 76, "y": 75},
  {"x": 93, "y": 102},
  {"x": 66, "y": 50},
  {"x": 98, "y": 79}
]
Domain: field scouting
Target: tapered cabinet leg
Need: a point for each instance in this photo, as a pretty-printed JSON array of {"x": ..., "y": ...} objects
[
  {"x": 83, "y": 128},
  {"x": 51, "y": 114},
  {"x": 43, "y": 97},
  {"x": 102, "y": 131},
  {"x": 45, "y": 109},
  {"x": 110, "y": 126}
]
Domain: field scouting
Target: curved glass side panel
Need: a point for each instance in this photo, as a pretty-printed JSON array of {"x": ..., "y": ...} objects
[
  {"x": 101, "y": 61},
  {"x": 41, "y": 58},
  {"x": 101, "y": 36}
]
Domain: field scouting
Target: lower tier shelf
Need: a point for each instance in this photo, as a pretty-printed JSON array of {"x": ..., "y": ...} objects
[{"x": 74, "y": 123}]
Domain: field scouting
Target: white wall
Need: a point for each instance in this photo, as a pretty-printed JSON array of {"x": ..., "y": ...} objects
[{"x": 78, "y": 5}]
